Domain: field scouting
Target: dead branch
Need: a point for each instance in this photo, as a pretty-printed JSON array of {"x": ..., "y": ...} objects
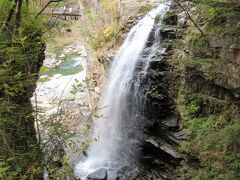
[
  {"x": 51, "y": 1},
  {"x": 189, "y": 16}
]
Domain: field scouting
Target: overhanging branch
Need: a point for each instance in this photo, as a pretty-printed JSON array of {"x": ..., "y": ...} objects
[
  {"x": 51, "y": 1},
  {"x": 189, "y": 16}
]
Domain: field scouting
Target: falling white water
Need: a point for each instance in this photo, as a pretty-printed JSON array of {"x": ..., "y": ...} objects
[{"x": 117, "y": 129}]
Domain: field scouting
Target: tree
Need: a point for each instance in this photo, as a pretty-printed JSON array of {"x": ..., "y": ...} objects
[
  {"x": 185, "y": 10},
  {"x": 21, "y": 56}
]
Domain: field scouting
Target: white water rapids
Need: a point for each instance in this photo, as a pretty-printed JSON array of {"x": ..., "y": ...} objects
[{"x": 118, "y": 128}]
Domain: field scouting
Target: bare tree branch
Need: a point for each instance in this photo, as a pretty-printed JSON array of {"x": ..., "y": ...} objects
[
  {"x": 189, "y": 16},
  {"x": 51, "y": 1}
]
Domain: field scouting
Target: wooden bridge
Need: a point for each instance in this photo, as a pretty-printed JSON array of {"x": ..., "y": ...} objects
[{"x": 65, "y": 11}]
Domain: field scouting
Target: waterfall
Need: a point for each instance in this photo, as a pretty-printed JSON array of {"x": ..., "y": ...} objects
[{"x": 119, "y": 128}]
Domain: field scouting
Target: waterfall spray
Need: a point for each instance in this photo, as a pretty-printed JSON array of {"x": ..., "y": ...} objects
[{"x": 120, "y": 126}]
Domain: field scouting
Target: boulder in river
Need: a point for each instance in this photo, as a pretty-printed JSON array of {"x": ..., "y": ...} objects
[
  {"x": 100, "y": 174},
  {"x": 112, "y": 175}
]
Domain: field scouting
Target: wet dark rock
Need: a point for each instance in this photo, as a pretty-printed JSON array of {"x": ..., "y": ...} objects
[
  {"x": 168, "y": 33},
  {"x": 112, "y": 175},
  {"x": 171, "y": 19},
  {"x": 163, "y": 146},
  {"x": 158, "y": 162},
  {"x": 171, "y": 123},
  {"x": 85, "y": 153},
  {"x": 100, "y": 174},
  {"x": 148, "y": 159},
  {"x": 159, "y": 143},
  {"x": 181, "y": 134},
  {"x": 162, "y": 52},
  {"x": 122, "y": 171},
  {"x": 131, "y": 174}
]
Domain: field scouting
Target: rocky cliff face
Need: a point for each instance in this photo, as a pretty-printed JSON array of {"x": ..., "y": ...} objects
[
  {"x": 192, "y": 92},
  {"x": 163, "y": 133}
]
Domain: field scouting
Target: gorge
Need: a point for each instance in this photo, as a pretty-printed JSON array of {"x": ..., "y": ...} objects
[{"x": 120, "y": 89}]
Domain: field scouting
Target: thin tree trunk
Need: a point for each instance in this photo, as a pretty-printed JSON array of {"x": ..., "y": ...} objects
[
  {"x": 51, "y": 1},
  {"x": 43, "y": 9},
  {"x": 18, "y": 15},
  {"x": 27, "y": 4},
  {"x": 189, "y": 16},
  {"x": 10, "y": 15}
]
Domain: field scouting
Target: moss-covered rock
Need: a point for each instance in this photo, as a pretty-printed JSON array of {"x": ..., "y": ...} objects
[{"x": 205, "y": 88}]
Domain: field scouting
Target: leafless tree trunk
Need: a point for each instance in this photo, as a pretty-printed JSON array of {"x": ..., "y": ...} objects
[{"x": 189, "y": 16}]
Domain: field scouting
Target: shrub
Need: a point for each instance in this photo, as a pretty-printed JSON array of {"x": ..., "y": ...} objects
[{"x": 213, "y": 137}]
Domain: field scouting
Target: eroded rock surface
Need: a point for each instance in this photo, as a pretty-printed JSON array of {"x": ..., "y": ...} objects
[{"x": 100, "y": 174}]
